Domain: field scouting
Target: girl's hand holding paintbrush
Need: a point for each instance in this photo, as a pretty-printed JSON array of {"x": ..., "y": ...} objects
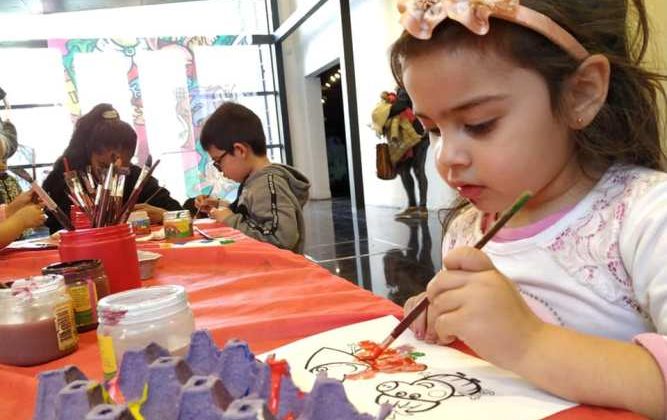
[
  {"x": 472, "y": 301},
  {"x": 29, "y": 216},
  {"x": 26, "y": 210},
  {"x": 22, "y": 200},
  {"x": 19, "y": 219}
]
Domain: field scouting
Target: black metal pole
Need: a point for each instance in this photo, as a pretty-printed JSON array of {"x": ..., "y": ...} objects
[
  {"x": 354, "y": 150},
  {"x": 350, "y": 109},
  {"x": 282, "y": 94}
]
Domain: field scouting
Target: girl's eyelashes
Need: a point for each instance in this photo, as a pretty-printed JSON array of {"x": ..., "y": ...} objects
[
  {"x": 482, "y": 128},
  {"x": 475, "y": 130}
]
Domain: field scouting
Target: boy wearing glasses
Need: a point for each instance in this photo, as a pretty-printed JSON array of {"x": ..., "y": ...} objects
[{"x": 269, "y": 205}]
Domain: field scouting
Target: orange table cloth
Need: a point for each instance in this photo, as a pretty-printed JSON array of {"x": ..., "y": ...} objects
[{"x": 247, "y": 290}]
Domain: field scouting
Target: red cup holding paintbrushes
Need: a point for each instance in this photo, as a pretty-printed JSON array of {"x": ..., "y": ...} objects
[
  {"x": 114, "y": 245},
  {"x": 80, "y": 220}
]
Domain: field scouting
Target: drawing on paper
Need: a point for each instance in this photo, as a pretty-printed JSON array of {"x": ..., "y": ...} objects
[
  {"x": 427, "y": 393},
  {"x": 338, "y": 364},
  {"x": 357, "y": 362},
  {"x": 424, "y": 394},
  {"x": 450, "y": 384}
]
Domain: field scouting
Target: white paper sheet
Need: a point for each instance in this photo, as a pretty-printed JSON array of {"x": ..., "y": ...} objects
[{"x": 454, "y": 386}]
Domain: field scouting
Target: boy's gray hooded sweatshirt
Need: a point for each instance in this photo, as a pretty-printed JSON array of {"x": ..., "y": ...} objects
[{"x": 269, "y": 206}]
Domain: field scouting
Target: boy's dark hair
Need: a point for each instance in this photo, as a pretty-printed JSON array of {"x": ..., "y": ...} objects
[
  {"x": 233, "y": 123},
  {"x": 627, "y": 128},
  {"x": 97, "y": 131}
]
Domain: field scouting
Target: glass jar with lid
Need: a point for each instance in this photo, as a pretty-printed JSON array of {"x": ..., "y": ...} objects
[
  {"x": 86, "y": 282},
  {"x": 177, "y": 224},
  {"x": 133, "y": 319},
  {"x": 140, "y": 222},
  {"x": 36, "y": 321}
]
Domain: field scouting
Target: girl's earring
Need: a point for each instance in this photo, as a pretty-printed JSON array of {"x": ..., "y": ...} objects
[{"x": 580, "y": 121}]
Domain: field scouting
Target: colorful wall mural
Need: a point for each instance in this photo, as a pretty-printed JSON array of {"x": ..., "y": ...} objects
[{"x": 193, "y": 103}]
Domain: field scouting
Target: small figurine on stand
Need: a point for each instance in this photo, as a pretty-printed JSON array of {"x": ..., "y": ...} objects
[{"x": 408, "y": 143}]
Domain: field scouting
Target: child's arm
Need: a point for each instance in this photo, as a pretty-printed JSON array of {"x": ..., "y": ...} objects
[
  {"x": 593, "y": 370},
  {"x": 19, "y": 202},
  {"x": 22, "y": 219},
  {"x": 268, "y": 213},
  {"x": 480, "y": 306}
]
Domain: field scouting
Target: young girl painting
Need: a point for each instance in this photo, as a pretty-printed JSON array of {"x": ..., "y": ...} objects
[{"x": 547, "y": 96}]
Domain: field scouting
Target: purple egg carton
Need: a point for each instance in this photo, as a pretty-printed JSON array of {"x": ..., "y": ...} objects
[{"x": 209, "y": 384}]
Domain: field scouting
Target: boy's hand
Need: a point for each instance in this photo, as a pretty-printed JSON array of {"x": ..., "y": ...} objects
[
  {"x": 205, "y": 203},
  {"x": 154, "y": 213},
  {"x": 30, "y": 216},
  {"x": 19, "y": 202},
  {"x": 474, "y": 302},
  {"x": 220, "y": 214}
]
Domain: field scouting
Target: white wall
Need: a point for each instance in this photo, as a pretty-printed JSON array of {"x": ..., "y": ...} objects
[
  {"x": 316, "y": 45},
  {"x": 305, "y": 113}
]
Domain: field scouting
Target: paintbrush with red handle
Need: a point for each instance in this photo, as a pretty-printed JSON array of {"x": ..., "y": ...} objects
[
  {"x": 134, "y": 196},
  {"x": 142, "y": 174},
  {"x": 105, "y": 198},
  {"x": 423, "y": 304}
]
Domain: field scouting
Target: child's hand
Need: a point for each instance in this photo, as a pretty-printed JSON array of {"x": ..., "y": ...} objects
[
  {"x": 220, "y": 214},
  {"x": 423, "y": 329},
  {"x": 19, "y": 202},
  {"x": 205, "y": 203},
  {"x": 474, "y": 302},
  {"x": 30, "y": 216},
  {"x": 418, "y": 326}
]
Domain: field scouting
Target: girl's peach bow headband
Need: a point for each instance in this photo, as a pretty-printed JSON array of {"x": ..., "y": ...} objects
[{"x": 420, "y": 17}]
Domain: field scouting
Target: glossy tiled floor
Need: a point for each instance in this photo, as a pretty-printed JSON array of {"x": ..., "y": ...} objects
[{"x": 370, "y": 248}]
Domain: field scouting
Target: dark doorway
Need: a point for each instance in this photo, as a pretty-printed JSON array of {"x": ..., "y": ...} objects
[{"x": 334, "y": 128}]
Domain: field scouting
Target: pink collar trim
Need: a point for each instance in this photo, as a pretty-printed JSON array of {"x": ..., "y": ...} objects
[{"x": 524, "y": 232}]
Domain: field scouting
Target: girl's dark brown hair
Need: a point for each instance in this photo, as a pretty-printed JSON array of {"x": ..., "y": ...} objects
[
  {"x": 93, "y": 133},
  {"x": 627, "y": 128}
]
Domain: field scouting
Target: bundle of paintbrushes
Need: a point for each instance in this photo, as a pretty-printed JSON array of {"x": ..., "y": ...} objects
[{"x": 98, "y": 195}]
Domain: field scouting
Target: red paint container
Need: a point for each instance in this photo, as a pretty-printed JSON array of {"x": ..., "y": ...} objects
[{"x": 114, "y": 245}]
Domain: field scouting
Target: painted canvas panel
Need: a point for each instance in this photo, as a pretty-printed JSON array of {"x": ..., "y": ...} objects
[{"x": 441, "y": 382}]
